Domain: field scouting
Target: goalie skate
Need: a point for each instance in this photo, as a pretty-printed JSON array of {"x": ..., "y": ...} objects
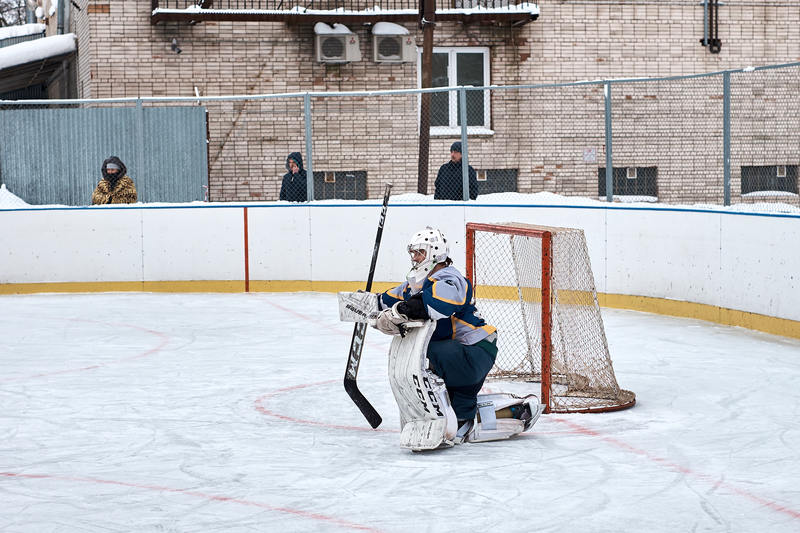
[
  {"x": 427, "y": 419},
  {"x": 358, "y": 306}
]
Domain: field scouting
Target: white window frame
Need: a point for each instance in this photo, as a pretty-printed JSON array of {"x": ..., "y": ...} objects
[{"x": 453, "y": 128}]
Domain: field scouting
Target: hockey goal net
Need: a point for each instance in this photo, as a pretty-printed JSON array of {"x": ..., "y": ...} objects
[{"x": 535, "y": 285}]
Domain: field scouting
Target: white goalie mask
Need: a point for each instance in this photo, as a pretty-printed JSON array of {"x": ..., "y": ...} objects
[{"x": 434, "y": 244}]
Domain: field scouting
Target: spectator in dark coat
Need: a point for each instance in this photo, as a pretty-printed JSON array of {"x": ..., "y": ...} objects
[
  {"x": 115, "y": 187},
  {"x": 294, "y": 187},
  {"x": 449, "y": 183}
]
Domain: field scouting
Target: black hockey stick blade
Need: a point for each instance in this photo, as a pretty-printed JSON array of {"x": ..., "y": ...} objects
[
  {"x": 360, "y": 330},
  {"x": 350, "y": 383}
]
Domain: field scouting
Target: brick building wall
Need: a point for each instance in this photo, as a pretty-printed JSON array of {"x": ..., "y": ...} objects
[{"x": 543, "y": 133}]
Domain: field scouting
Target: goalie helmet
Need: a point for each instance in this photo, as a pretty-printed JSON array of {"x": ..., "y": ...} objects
[{"x": 434, "y": 244}]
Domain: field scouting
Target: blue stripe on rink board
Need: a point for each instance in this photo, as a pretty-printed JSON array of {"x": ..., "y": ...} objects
[{"x": 443, "y": 204}]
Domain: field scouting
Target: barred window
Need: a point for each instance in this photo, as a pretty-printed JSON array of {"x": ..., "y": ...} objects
[
  {"x": 630, "y": 181},
  {"x": 340, "y": 185},
  {"x": 494, "y": 180},
  {"x": 774, "y": 178}
]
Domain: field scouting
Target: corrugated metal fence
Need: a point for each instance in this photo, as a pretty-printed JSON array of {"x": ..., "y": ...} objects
[{"x": 53, "y": 156}]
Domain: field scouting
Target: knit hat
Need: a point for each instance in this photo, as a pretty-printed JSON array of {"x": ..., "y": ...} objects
[
  {"x": 456, "y": 147},
  {"x": 112, "y": 166}
]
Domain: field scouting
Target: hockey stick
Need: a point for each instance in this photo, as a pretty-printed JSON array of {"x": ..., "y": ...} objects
[{"x": 360, "y": 329}]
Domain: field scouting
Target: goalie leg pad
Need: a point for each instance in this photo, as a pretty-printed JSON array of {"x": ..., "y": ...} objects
[{"x": 427, "y": 418}]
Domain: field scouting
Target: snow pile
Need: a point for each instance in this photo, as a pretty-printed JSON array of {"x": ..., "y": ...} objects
[
  {"x": 502, "y": 199},
  {"x": 10, "y": 200}
]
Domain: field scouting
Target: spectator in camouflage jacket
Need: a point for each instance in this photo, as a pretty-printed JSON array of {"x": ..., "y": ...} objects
[{"x": 115, "y": 187}]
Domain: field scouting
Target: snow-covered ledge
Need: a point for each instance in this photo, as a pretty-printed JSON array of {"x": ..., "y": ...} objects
[{"x": 30, "y": 51}]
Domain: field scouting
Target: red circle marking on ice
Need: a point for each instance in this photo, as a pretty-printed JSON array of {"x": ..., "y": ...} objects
[
  {"x": 196, "y": 494},
  {"x": 261, "y": 408}
]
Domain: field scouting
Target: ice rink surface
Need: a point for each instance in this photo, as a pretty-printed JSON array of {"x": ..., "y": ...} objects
[{"x": 226, "y": 412}]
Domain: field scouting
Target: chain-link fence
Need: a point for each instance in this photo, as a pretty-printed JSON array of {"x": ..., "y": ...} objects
[{"x": 722, "y": 138}]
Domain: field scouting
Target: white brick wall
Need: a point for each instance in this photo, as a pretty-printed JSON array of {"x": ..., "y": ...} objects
[{"x": 542, "y": 133}]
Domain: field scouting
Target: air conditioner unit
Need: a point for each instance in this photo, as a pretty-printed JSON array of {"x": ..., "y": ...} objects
[
  {"x": 393, "y": 48},
  {"x": 392, "y": 43},
  {"x": 335, "y": 44}
]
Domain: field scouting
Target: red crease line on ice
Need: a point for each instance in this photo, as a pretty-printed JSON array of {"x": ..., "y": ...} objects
[
  {"x": 197, "y": 494},
  {"x": 583, "y": 430},
  {"x": 164, "y": 341},
  {"x": 260, "y": 405}
]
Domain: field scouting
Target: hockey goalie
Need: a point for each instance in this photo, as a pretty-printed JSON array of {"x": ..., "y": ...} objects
[{"x": 441, "y": 353}]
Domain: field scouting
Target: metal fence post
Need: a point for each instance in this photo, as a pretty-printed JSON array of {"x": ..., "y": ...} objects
[
  {"x": 609, "y": 157},
  {"x": 726, "y": 137},
  {"x": 462, "y": 97},
  {"x": 309, "y": 153},
  {"x": 140, "y": 160}
]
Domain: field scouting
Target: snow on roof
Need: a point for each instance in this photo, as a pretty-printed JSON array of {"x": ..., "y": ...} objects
[
  {"x": 320, "y": 28},
  {"x": 21, "y": 30},
  {"x": 524, "y": 7},
  {"x": 9, "y": 199},
  {"x": 27, "y": 52},
  {"x": 388, "y": 28}
]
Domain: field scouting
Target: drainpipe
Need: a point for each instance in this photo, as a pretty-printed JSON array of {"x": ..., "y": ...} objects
[
  {"x": 62, "y": 21},
  {"x": 704, "y": 40},
  {"x": 60, "y": 16}
]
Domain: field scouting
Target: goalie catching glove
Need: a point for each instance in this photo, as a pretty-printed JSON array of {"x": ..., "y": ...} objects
[{"x": 391, "y": 321}]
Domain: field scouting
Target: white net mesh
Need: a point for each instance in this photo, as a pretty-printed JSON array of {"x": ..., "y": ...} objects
[{"x": 507, "y": 266}]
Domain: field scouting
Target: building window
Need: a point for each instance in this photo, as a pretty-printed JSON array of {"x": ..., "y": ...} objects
[
  {"x": 494, "y": 180},
  {"x": 453, "y": 67},
  {"x": 769, "y": 179},
  {"x": 639, "y": 183},
  {"x": 340, "y": 185}
]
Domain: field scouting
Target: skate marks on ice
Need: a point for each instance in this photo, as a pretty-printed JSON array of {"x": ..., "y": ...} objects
[{"x": 239, "y": 422}]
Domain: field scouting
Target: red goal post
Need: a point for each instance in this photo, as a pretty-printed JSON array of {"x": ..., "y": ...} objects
[{"x": 535, "y": 284}]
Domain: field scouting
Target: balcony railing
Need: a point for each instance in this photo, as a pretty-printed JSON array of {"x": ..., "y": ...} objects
[{"x": 342, "y": 11}]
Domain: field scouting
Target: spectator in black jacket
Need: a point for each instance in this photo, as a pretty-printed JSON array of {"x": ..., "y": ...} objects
[
  {"x": 294, "y": 187},
  {"x": 449, "y": 182}
]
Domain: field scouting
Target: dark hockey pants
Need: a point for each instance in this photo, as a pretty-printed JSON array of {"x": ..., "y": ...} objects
[{"x": 463, "y": 369}]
